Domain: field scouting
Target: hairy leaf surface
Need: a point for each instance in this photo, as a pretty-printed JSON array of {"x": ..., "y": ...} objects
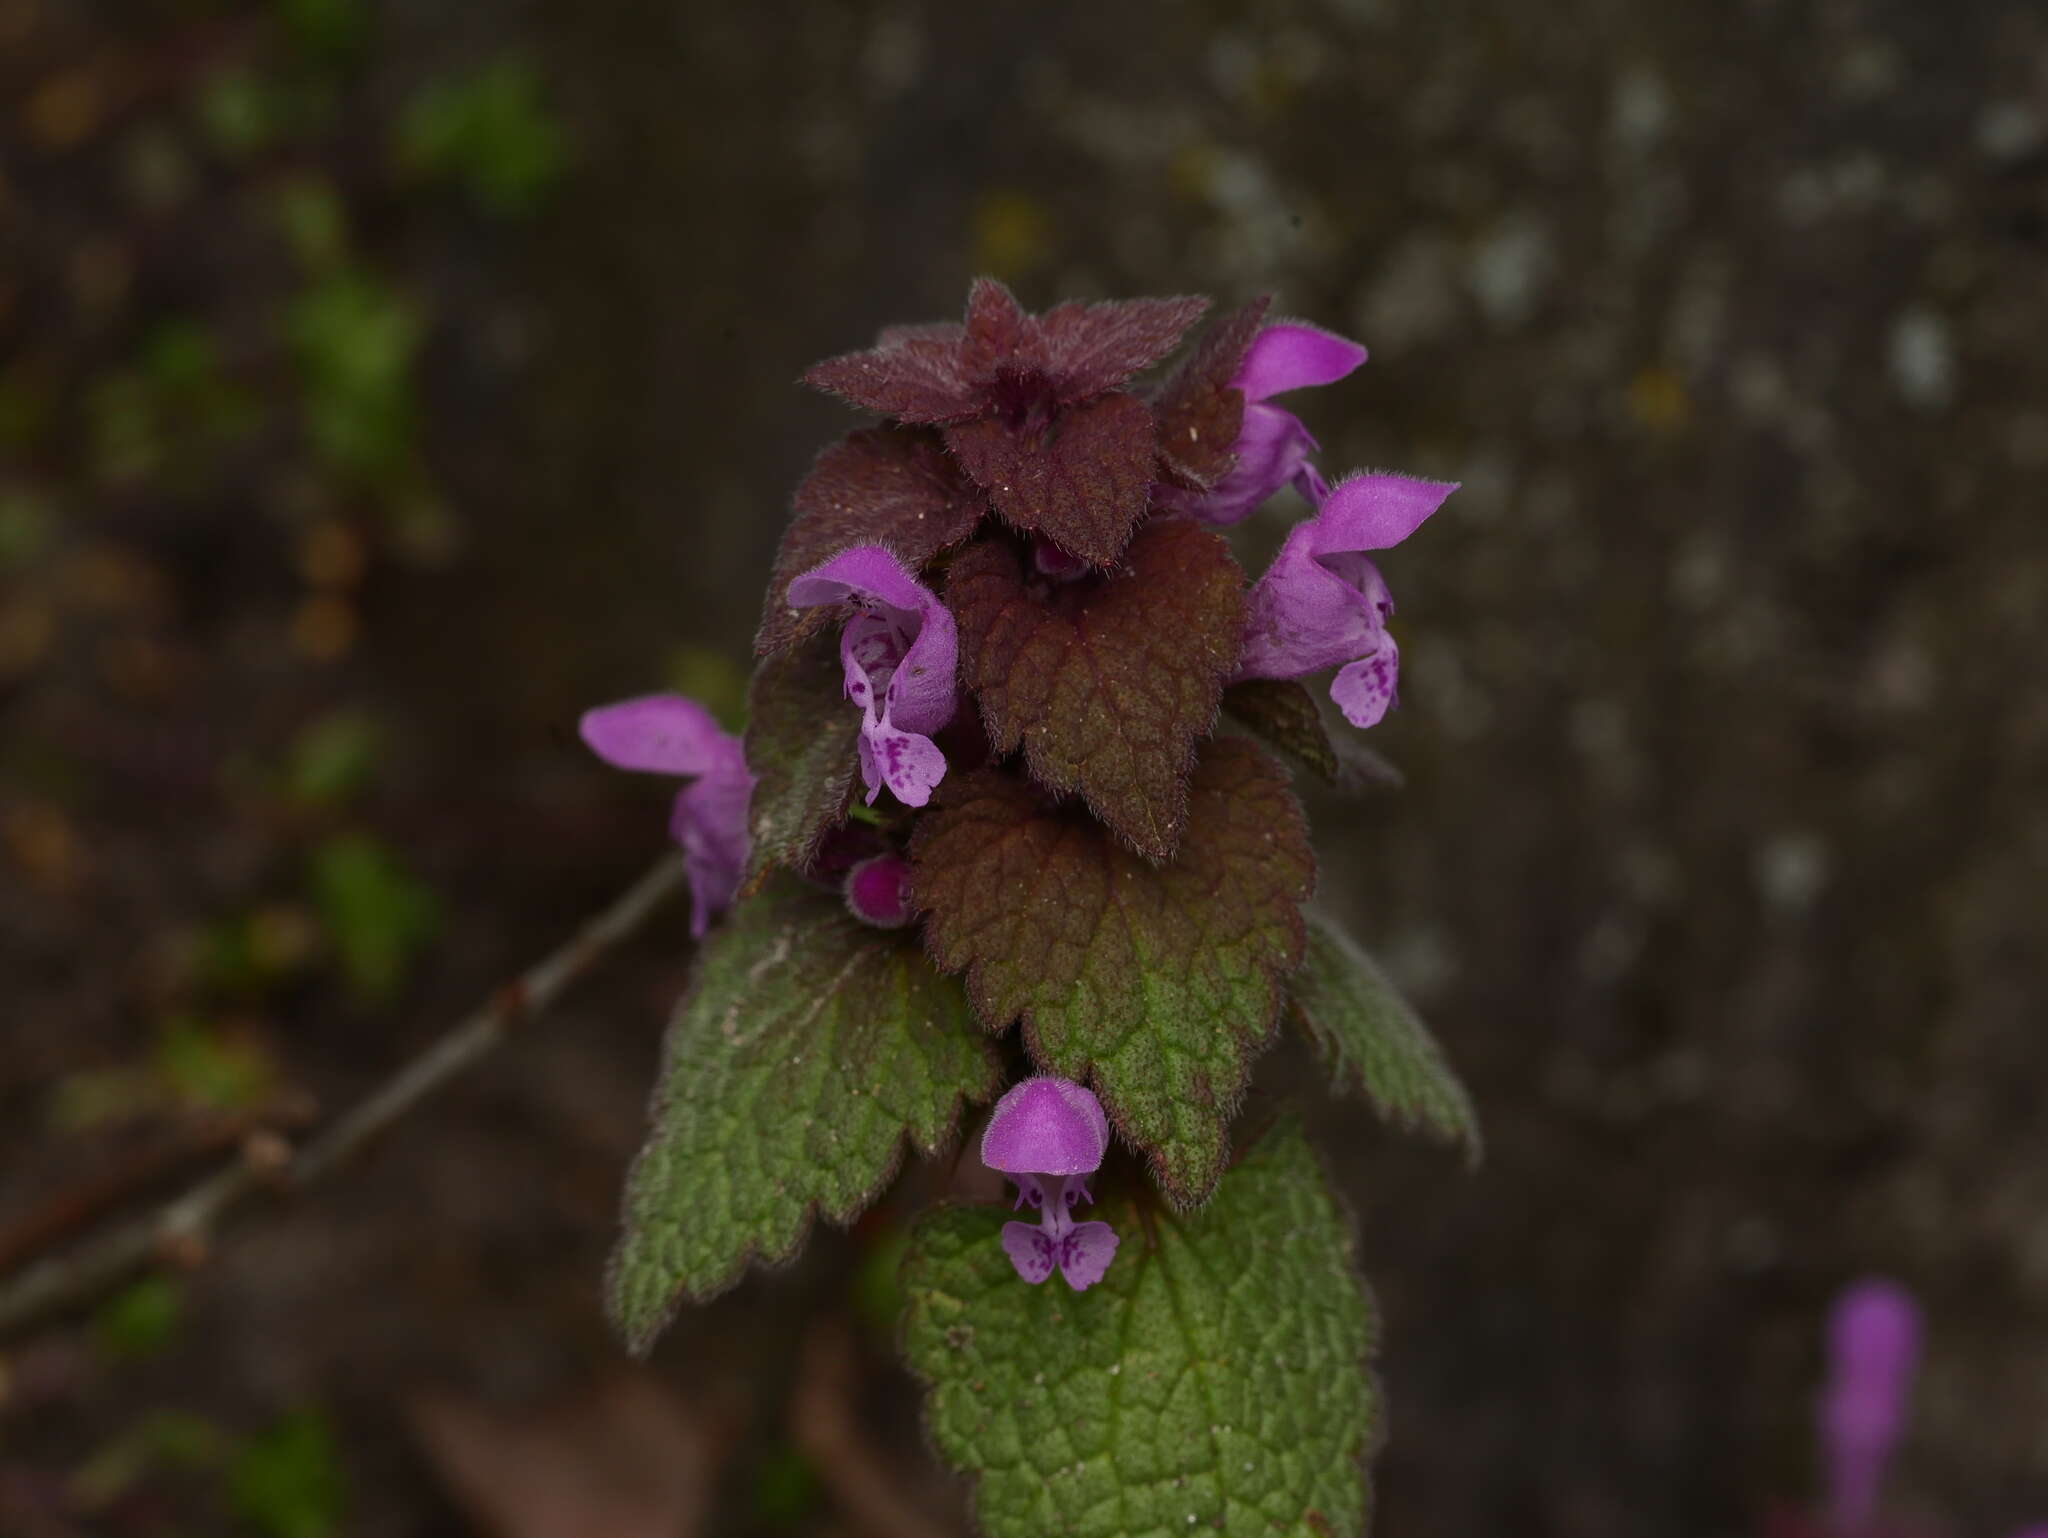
[
  {"x": 809, "y": 1048},
  {"x": 1215, "y": 1381},
  {"x": 1158, "y": 982},
  {"x": 1287, "y": 716},
  {"x": 1106, "y": 683},
  {"x": 1082, "y": 478},
  {"x": 800, "y": 745},
  {"x": 1372, "y": 1043},
  {"x": 1200, "y": 411},
  {"x": 890, "y": 486}
]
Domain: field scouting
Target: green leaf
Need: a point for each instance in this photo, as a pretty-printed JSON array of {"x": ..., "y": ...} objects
[
  {"x": 492, "y": 131},
  {"x": 1373, "y": 1044},
  {"x": 334, "y": 758},
  {"x": 890, "y": 486},
  {"x": 377, "y": 916},
  {"x": 355, "y": 340},
  {"x": 800, "y": 745},
  {"x": 1287, "y": 717},
  {"x": 139, "y": 1321},
  {"x": 809, "y": 1047},
  {"x": 1159, "y": 982},
  {"x": 287, "y": 1482},
  {"x": 1107, "y": 683},
  {"x": 1215, "y": 1381}
]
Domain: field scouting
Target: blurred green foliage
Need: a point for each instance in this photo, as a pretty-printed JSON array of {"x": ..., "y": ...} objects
[
  {"x": 287, "y": 1481},
  {"x": 163, "y": 1439},
  {"x": 210, "y": 1069},
  {"x": 334, "y": 758},
  {"x": 191, "y": 1066},
  {"x": 878, "y": 1295},
  {"x": 378, "y": 917},
  {"x": 239, "y": 113},
  {"x": 492, "y": 132},
  {"x": 314, "y": 223},
  {"x": 168, "y": 413},
  {"x": 354, "y": 339},
  {"x": 785, "y": 1487},
  {"x": 326, "y": 31},
  {"x": 139, "y": 1321},
  {"x": 26, "y": 523},
  {"x": 710, "y": 677}
]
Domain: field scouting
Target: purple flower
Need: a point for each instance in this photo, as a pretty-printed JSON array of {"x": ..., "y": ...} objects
[
  {"x": 668, "y": 734},
  {"x": 1272, "y": 446},
  {"x": 1873, "y": 1351},
  {"x": 878, "y": 891},
  {"x": 1048, "y": 1135},
  {"x": 1323, "y": 604},
  {"x": 899, "y": 652}
]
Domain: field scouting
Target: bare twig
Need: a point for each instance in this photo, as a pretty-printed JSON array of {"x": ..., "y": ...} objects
[
  {"x": 74, "y": 1208},
  {"x": 180, "y": 1230}
]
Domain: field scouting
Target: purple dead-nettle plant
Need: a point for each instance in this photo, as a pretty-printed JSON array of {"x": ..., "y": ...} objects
[{"x": 1008, "y": 812}]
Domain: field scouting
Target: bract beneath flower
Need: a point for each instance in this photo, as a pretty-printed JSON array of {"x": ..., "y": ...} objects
[
  {"x": 670, "y": 734},
  {"x": 1323, "y": 604},
  {"x": 899, "y": 652}
]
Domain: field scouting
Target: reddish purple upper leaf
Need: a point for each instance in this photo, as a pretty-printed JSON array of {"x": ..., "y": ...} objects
[
  {"x": 1158, "y": 981},
  {"x": 1093, "y": 347},
  {"x": 1200, "y": 411},
  {"x": 1106, "y": 683},
  {"x": 890, "y": 486},
  {"x": 1081, "y": 478},
  {"x": 1004, "y": 358},
  {"x": 1030, "y": 405}
]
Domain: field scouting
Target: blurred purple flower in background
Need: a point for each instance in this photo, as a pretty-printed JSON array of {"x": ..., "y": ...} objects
[
  {"x": 1874, "y": 1334},
  {"x": 669, "y": 734}
]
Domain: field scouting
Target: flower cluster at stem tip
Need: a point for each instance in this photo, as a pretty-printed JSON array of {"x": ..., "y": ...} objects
[{"x": 1028, "y": 418}]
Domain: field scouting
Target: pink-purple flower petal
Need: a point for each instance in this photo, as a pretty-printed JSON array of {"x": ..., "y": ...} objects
[
  {"x": 900, "y": 652},
  {"x": 1273, "y": 446},
  {"x": 1292, "y": 355},
  {"x": 1086, "y": 1250},
  {"x": 669, "y": 734},
  {"x": 1046, "y": 1126},
  {"x": 1322, "y": 603}
]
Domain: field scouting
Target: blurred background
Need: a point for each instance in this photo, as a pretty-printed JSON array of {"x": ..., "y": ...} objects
[{"x": 384, "y": 381}]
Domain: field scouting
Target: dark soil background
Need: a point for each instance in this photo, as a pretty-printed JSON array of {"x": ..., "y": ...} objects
[{"x": 381, "y": 384}]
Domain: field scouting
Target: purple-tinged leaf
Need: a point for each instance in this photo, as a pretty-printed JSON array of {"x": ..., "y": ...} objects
[
  {"x": 1109, "y": 682},
  {"x": 891, "y": 486},
  {"x": 1157, "y": 983},
  {"x": 1082, "y": 478},
  {"x": 1201, "y": 411}
]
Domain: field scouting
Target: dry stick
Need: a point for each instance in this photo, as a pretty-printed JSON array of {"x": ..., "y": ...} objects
[{"x": 181, "y": 1228}]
